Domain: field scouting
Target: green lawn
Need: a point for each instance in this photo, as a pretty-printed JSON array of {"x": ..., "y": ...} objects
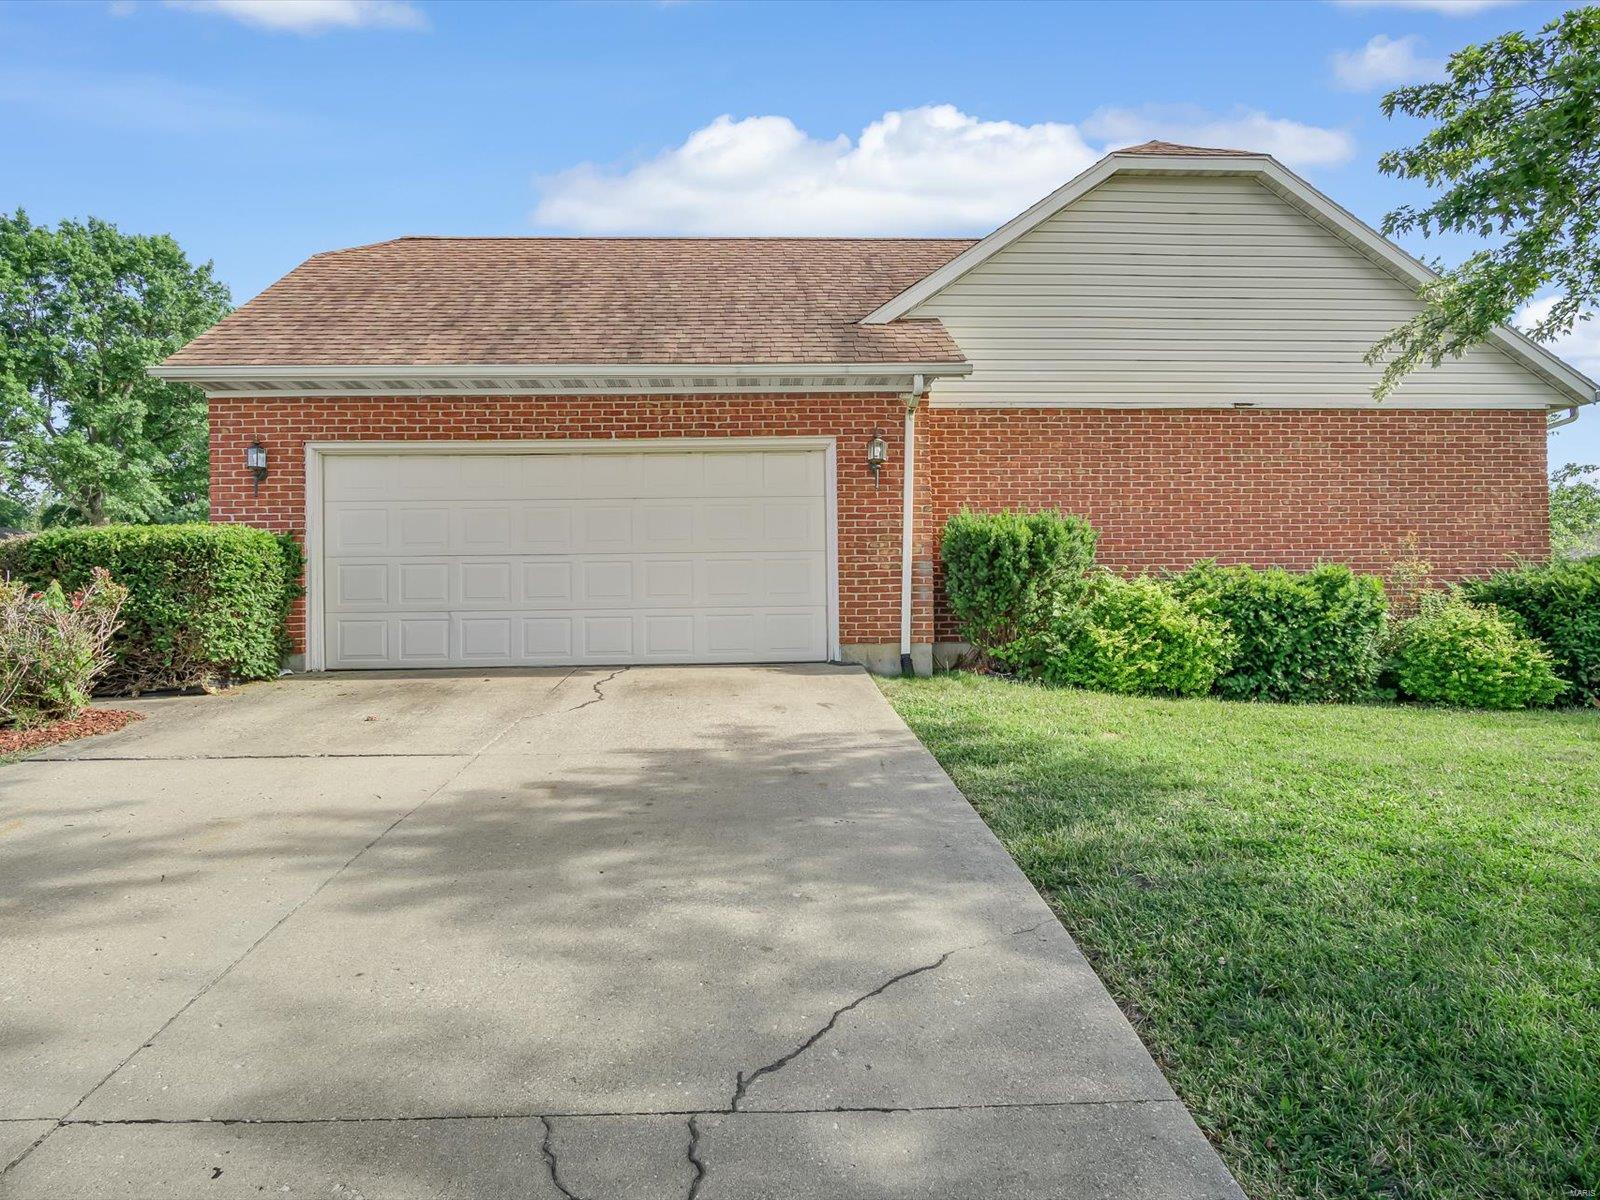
[{"x": 1363, "y": 942}]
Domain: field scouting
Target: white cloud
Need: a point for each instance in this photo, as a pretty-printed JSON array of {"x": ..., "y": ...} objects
[
  {"x": 1385, "y": 62},
  {"x": 1580, "y": 347},
  {"x": 312, "y": 16},
  {"x": 923, "y": 170},
  {"x": 1450, "y": 8},
  {"x": 1291, "y": 142}
]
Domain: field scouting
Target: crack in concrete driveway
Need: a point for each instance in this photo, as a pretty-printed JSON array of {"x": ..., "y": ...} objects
[{"x": 491, "y": 943}]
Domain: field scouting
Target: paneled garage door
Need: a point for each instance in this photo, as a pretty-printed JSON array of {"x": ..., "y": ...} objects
[{"x": 586, "y": 556}]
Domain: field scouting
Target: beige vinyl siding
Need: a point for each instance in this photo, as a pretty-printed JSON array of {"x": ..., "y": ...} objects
[{"x": 1193, "y": 289}]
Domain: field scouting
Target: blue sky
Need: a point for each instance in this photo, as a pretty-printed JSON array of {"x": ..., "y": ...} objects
[{"x": 259, "y": 132}]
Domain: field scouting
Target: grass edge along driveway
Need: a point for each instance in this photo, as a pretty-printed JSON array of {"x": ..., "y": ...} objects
[{"x": 1363, "y": 942}]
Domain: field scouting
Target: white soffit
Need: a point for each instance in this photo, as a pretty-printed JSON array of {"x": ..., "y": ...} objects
[{"x": 402, "y": 379}]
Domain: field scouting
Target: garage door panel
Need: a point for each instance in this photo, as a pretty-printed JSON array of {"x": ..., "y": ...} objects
[
  {"x": 609, "y": 475},
  {"x": 423, "y": 640},
  {"x": 669, "y": 475},
  {"x": 361, "y": 641},
  {"x": 362, "y": 584},
  {"x": 424, "y": 584},
  {"x": 359, "y": 530},
  {"x": 483, "y": 529},
  {"x": 547, "y": 583},
  {"x": 604, "y": 529},
  {"x": 547, "y": 639},
  {"x": 423, "y": 529},
  {"x": 605, "y": 583},
  {"x": 662, "y": 526},
  {"x": 544, "y": 559},
  {"x": 666, "y": 581},
  {"x": 606, "y": 637},
  {"x": 486, "y": 583},
  {"x": 791, "y": 474},
  {"x": 357, "y": 478},
  {"x": 797, "y": 633},
  {"x": 733, "y": 474},
  {"x": 547, "y": 528},
  {"x": 547, "y": 476},
  {"x": 791, "y": 524},
  {"x": 667, "y": 635}
]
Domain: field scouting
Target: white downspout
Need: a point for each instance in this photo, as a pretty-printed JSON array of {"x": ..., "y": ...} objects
[{"x": 908, "y": 520}]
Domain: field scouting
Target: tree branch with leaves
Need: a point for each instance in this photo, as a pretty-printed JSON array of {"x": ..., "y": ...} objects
[
  {"x": 86, "y": 435},
  {"x": 1516, "y": 146}
]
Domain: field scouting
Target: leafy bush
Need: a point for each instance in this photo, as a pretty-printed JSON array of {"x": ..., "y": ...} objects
[
  {"x": 1456, "y": 652},
  {"x": 1134, "y": 636},
  {"x": 207, "y": 603},
  {"x": 52, "y": 646},
  {"x": 1560, "y": 605},
  {"x": 1312, "y": 637},
  {"x": 1006, "y": 573}
]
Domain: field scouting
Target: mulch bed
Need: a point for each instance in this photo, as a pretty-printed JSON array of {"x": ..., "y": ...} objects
[{"x": 93, "y": 721}]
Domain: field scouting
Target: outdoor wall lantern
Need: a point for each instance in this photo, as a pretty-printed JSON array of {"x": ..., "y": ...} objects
[
  {"x": 877, "y": 453},
  {"x": 255, "y": 457}
]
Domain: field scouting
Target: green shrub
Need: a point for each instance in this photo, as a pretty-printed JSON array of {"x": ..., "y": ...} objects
[
  {"x": 1560, "y": 605},
  {"x": 1312, "y": 637},
  {"x": 1456, "y": 652},
  {"x": 52, "y": 646},
  {"x": 1006, "y": 573},
  {"x": 207, "y": 603},
  {"x": 1134, "y": 636}
]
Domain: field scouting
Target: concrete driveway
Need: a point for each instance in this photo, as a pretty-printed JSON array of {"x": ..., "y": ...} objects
[{"x": 698, "y": 932}]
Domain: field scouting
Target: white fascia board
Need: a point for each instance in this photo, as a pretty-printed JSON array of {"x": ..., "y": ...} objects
[
  {"x": 1280, "y": 179},
  {"x": 186, "y": 371}
]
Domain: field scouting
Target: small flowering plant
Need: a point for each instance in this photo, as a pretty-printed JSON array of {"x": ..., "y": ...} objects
[{"x": 53, "y": 645}]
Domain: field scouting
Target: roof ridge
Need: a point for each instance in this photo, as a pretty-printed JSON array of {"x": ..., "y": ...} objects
[{"x": 1179, "y": 149}]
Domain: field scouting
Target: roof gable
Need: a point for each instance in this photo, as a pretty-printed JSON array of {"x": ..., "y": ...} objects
[{"x": 1164, "y": 158}]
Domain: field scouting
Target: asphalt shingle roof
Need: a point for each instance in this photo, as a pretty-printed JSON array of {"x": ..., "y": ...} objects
[{"x": 527, "y": 301}]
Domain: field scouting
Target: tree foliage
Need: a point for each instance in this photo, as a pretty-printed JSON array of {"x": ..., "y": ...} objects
[
  {"x": 86, "y": 436},
  {"x": 1575, "y": 511},
  {"x": 1516, "y": 146}
]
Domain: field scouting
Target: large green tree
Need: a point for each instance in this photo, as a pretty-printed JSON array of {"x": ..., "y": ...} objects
[
  {"x": 1516, "y": 148},
  {"x": 1575, "y": 510},
  {"x": 86, "y": 436}
]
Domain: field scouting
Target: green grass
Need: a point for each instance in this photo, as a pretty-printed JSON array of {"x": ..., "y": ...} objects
[{"x": 1363, "y": 942}]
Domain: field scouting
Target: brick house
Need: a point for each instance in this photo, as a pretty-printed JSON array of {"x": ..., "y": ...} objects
[{"x": 518, "y": 451}]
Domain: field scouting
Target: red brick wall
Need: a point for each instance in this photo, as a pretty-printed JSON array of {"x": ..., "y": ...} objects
[
  {"x": 869, "y": 513},
  {"x": 1265, "y": 486},
  {"x": 1164, "y": 487}
]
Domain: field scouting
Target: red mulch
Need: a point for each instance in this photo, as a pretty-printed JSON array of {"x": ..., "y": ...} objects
[{"x": 93, "y": 721}]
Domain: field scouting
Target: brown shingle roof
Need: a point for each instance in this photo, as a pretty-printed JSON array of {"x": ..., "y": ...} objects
[
  {"x": 516, "y": 301},
  {"x": 1171, "y": 148}
]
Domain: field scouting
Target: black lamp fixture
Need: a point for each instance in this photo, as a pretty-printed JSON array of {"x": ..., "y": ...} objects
[
  {"x": 877, "y": 453},
  {"x": 255, "y": 458}
]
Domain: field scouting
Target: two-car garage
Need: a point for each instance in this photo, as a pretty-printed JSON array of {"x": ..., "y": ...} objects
[{"x": 501, "y": 554}]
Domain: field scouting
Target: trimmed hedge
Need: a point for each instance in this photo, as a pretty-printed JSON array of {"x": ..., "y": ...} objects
[
  {"x": 1455, "y": 652},
  {"x": 1007, "y": 573},
  {"x": 1310, "y": 638},
  {"x": 1560, "y": 605},
  {"x": 207, "y": 603},
  {"x": 1135, "y": 637}
]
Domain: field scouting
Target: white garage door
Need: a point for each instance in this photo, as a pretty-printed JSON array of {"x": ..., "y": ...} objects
[{"x": 506, "y": 559}]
